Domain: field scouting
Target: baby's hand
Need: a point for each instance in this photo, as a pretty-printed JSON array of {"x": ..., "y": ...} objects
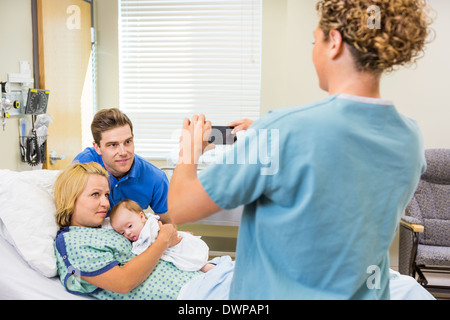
[{"x": 207, "y": 267}]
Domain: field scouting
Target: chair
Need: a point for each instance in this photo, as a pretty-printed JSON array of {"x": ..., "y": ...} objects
[{"x": 425, "y": 228}]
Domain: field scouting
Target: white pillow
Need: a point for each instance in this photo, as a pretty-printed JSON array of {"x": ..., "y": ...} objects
[{"x": 27, "y": 210}]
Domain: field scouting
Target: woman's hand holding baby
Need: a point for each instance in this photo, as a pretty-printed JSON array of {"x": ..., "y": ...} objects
[{"x": 168, "y": 233}]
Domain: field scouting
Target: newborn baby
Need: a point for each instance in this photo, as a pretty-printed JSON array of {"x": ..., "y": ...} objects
[{"x": 128, "y": 219}]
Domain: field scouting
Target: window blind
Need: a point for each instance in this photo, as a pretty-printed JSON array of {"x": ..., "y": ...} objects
[{"x": 178, "y": 58}]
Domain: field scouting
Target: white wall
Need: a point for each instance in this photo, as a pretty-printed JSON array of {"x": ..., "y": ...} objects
[
  {"x": 422, "y": 92},
  {"x": 289, "y": 78},
  {"x": 106, "y": 19},
  {"x": 288, "y": 75}
]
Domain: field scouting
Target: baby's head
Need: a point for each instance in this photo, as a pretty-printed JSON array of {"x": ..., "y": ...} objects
[{"x": 127, "y": 218}]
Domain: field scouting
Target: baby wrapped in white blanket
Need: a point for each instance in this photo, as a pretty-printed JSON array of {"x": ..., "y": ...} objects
[{"x": 128, "y": 219}]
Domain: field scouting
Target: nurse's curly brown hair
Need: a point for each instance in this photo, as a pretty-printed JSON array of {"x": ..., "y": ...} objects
[{"x": 399, "y": 39}]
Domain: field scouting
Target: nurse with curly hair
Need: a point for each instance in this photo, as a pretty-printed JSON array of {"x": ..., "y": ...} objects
[{"x": 322, "y": 210}]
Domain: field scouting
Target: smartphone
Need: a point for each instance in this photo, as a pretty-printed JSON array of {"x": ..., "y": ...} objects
[{"x": 222, "y": 135}]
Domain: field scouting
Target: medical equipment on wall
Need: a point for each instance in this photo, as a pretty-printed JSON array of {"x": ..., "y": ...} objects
[
  {"x": 7, "y": 105},
  {"x": 13, "y": 92},
  {"x": 10, "y": 100},
  {"x": 34, "y": 131}
]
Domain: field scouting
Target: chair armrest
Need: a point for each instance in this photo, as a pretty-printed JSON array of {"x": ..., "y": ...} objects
[
  {"x": 413, "y": 225},
  {"x": 410, "y": 229}
]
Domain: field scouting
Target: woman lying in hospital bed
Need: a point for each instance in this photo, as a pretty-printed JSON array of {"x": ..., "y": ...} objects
[
  {"x": 28, "y": 269},
  {"x": 99, "y": 261}
]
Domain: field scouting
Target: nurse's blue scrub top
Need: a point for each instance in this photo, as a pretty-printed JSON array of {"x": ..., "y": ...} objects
[
  {"x": 324, "y": 187},
  {"x": 144, "y": 183}
]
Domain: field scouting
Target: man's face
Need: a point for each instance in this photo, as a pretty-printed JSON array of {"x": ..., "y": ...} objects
[{"x": 117, "y": 150}]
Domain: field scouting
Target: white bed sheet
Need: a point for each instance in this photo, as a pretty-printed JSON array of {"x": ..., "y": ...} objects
[{"x": 18, "y": 281}]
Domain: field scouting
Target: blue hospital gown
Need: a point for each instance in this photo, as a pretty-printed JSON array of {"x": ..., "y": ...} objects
[{"x": 90, "y": 252}]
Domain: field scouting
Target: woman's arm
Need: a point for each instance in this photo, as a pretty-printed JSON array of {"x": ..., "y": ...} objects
[{"x": 134, "y": 272}]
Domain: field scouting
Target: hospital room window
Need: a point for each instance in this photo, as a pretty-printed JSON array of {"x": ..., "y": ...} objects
[{"x": 178, "y": 58}]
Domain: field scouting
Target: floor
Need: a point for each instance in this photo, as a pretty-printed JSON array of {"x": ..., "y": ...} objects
[{"x": 439, "y": 280}]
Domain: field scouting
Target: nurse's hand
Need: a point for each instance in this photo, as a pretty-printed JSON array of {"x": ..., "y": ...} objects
[
  {"x": 194, "y": 139},
  {"x": 240, "y": 125}
]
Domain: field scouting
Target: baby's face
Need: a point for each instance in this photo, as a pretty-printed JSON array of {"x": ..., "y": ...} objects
[{"x": 128, "y": 223}]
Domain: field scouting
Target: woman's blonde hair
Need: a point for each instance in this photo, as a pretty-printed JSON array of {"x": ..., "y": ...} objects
[
  {"x": 399, "y": 39},
  {"x": 69, "y": 185}
]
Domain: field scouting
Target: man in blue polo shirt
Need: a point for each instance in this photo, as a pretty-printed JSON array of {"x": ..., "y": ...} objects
[{"x": 131, "y": 176}]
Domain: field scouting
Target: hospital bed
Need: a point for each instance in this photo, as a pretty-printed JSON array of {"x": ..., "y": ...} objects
[{"x": 27, "y": 230}]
